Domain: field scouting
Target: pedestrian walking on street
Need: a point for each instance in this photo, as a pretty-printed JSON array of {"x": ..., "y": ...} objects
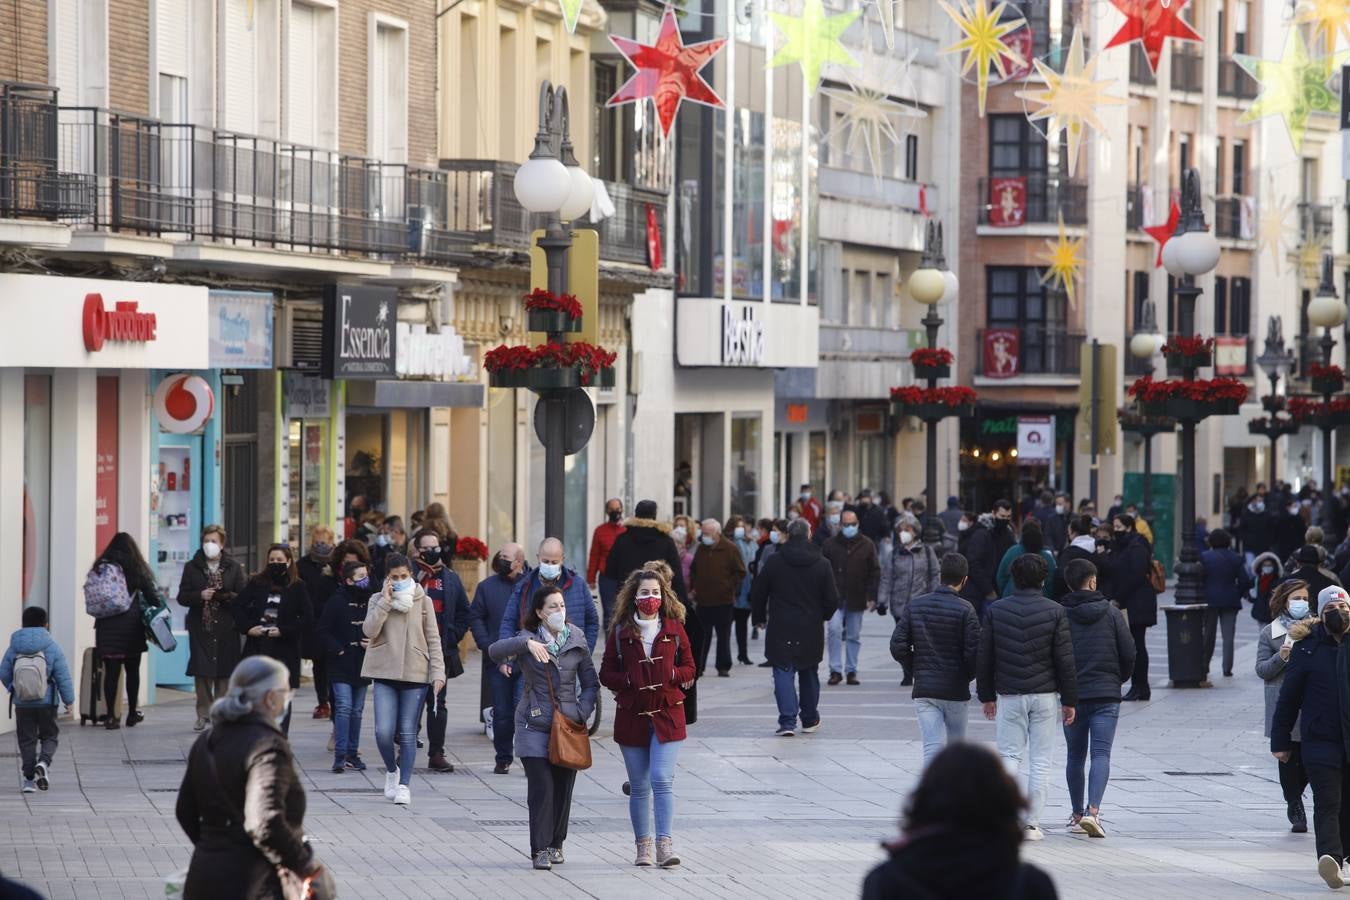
[
  {"x": 1124, "y": 571},
  {"x": 404, "y": 656},
  {"x": 321, "y": 582},
  {"x": 1082, "y": 545},
  {"x": 1317, "y": 695},
  {"x": 1103, "y": 653},
  {"x": 857, "y": 575},
  {"x": 1310, "y": 569},
  {"x": 556, "y": 663},
  {"x": 602, "y": 541},
  {"x": 1026, "y": 659},
  {"x": 119, "y": 640},
  {"x": 911, "y": 569},
  {"x": 35, "y": 672},
  {"x": 744, "y": 537},
  {"x": 983, "y": 546},
  {"x": 450, "y": 603},
  {"x": 795, "y": 595},
  {"x": 714, "y": 578},
  {"x": 344, "y": 643},
  {"x": 273, "y": 612},
  {"x": 552, "y": 573},
  {"x": 1268, "y": 573},
  {"x": 1289, "y": 605},
  {"x": 937, "y": 637},
  {"x": 241, "y": 802},
  {"x": 961, "y": 837},
  {"x": 1033, "y": 541},
  {"x": 210, "y": 582},
  {"x": 1226, "y": 581},
  {"x": 810, "y": 506},
  {"x": 486, "y": 611},
  {"x": 648, "y": 659}
]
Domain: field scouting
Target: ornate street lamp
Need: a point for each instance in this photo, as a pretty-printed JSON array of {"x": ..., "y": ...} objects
[
  {"x": 1144, "y": 344},
  {"x": 1326, "y": 311},
  {"x": 1277, "y": 362}
]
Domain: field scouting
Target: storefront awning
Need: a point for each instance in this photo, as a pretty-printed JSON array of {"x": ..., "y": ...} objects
[{"x": 415, "y": 394}]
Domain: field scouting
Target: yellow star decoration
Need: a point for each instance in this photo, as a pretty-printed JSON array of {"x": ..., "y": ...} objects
[
  {"x": 1292, "y": 87},
  {"x": 1064, "y": 261},
  {"x": 1070, "y": 101},
  {"x": 1329, "y": 18},
  {"x": 1310, "y": 255},
  {"x": 870, "y": 115},
  {"x": 1273, "y": 224},
  {"x": 983, "y": 43},
  {"x": 813, "y": 41}
]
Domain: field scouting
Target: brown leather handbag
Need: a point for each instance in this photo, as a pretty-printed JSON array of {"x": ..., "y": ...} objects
[{"x": 569, "y": 743}]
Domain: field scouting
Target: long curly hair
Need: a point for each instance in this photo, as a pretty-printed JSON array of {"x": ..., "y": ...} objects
[{"x": 625, "y": 606}]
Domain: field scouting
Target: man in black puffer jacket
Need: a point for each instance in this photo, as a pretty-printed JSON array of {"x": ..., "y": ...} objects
[
  {"x": 937, "y": 638},
  {"x": 1104, "y": 654},
  {"x": 1026, "y": 658}
]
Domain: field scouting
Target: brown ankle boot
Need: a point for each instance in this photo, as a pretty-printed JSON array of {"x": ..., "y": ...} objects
[
  {"x": 665, "y": 853},
  {"x": 646, "y": 852}
]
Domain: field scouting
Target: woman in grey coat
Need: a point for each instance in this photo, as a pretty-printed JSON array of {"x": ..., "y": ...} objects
[
  {"x": 1288, "y": 604},
  {"x": 555, "y": 659},
  {"x": 911, "y": 569}
]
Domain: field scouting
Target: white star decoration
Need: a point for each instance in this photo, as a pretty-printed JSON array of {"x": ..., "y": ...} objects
[
  {"x": 1272, "y": 225},
  {"x": 869, "y": 119}
]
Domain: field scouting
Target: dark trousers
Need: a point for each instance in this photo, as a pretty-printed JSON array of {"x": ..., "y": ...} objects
[
  {"x": 1139, "y": 683},
  {"x": 1293, "y": 777},
  {"x": 716, "y": 620},
  {"x": 436, "y": 722},
  {"x": 549, "y": 794},
  {"x": 131, "y": 664},
  {"x": 1216, "y": 619},
  {"x": 506, "y": 691},
  {"x": 1331, "y": 808},
  {"x": 321, "y": 688},
  {"x": 34, "y": 726},
  {"x": 609, "y": 595},
  {"x": 742, "y": 617}
]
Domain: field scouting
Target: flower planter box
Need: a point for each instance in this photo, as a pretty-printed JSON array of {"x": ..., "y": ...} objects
[
  {"x": 924, "y": 372},
  {"x": 603, "y": 379},
  {"x": 549, "y": 379},
  {"x": 1183, "y": 408},
  {"x": 550, "y": 320},
  {"x": 1272, "y": 403},
  {"x": 1177, "y": 363},
  {"x": 1328, "y": 384},
  {"x": 932, "y": 411}
]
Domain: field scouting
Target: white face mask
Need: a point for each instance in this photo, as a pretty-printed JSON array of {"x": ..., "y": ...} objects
[
  {"x": 906, "y": 538},
  {"x": 962, "y": 526},
  {"x": 679, "y": 534},
  {"x": 556, "y": 621},
  {"x": 210, "y": 549}
]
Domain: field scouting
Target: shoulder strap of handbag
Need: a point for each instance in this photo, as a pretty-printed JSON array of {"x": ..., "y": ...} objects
[
  {"x": 553, "y": 694},
  {"x": 203, "y": 748}
]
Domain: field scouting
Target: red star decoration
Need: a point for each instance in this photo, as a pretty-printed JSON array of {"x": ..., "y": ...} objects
[
  {"x": 667, "y": 71},
  {"x": 1150, "y": 23},
  {"x": 1163, "y": 233}
]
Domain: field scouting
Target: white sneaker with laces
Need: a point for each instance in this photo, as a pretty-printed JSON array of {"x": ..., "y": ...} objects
[
  {"x": 1345, "y": 871},
  {"x": 390, "y": 784},
  {"x": 1330, "y": 870},
  {"x": 403, "y": 796},
  {"x": 1033, "y": 833},
  {"x": 1074, "y": 827},
  {"x": 40, "y": 776},
  {"x": 29, "y": 786},
  {"x": 1093, "y": 826}
]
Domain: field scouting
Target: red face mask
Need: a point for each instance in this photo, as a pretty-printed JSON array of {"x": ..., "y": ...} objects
[{"x": 648, "y": 606}]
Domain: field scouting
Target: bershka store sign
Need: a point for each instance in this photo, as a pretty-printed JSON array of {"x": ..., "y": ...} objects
[
  {"x": 77, "y": 323},
  {"x": 359, "y": 336}
]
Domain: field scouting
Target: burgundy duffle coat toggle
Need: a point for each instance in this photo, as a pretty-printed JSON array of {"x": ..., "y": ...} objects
[{"x": 646, "y": 687}]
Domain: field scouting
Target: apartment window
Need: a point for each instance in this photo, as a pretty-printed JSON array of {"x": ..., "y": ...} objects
[
  {"x": 239, "y": 60},
  {"x": 1141, "y": 282},
  {"x": 1220, "y": 160},
  {"x": 311, "y": 76},
  {"x": 1223, "y": 28},
  {"x": 1308, "y": 184},
  {"x": 387, "y": 117},
  {"x": 1240, "y": 12},
  {"x": 1017, "y": 299},
  {"x": 912, "y": 157},
  {"x": 172, "y": 38},
  {"x": 1239, "y": 306},
  {"x": 1183, "y": 155},
  {"x": 605, "y": 160},
  {"x": 1015, "y": 147},
  {"x": 1220, "y": 305},
  {"x": 1240, "y": 168}
]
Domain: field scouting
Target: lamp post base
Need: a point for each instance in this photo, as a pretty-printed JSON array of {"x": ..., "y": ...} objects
[{"x": 1185, "y": 645}]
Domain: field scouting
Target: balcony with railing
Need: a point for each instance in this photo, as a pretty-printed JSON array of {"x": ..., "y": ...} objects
[
  {"x": 1041, "y": 350},
  {"x": 1134, "y": 208},
  {"x": 1233, "y": 218},
  {"x": 1047, "y": 198},
  {"x": 1315, "y": 220},
  {"x": 32, "y": 183},
  {"x": 1188, "y": 70},
  {"x": 1235, "y": 82},
  {"x": 1140, "y": 73}
]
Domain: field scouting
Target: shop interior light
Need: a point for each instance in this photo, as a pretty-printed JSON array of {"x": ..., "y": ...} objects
[
  {"x": 995, "y": 456},
  {"x": 975, "y": 453},
  {"x": 1013, "y": 453}
]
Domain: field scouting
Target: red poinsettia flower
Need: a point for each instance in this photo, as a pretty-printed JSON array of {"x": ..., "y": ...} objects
[
  {"x": 1302, "y": 409},
  {"x": 1317, "y": 370},
  {"x": 1146, "y": 390},
  {"x": 587, "y": 358},
  {"x": 1195, "y": 345},
  {"x": 931, "y": 358},
  {"x": 470, "y": 548},
  {"x": 543, "y": 299},
  {"x": 943, "y": 396}
]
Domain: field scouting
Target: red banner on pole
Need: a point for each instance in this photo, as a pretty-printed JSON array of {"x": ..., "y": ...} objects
[
  {"x": 1007, "y": 202},
  {"x": 653, "y": 240},
  {"x": 1002, "y": 352}
]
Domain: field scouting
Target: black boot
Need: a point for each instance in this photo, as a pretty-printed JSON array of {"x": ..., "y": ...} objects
[{"x": 1298, "y": 818}]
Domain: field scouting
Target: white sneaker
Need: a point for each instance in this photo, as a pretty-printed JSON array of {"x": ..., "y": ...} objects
[
  {"x": 1345, "y": 871},
  {"x": 1093, "y": 826},
  {"x": 1330, "y": 870},
  {"x": 403, "y": 796},
  {"x": 1033, "y": 833},
  {"x": 30, "y": 787},
  {"x": 487, "y": 723},
  {"x": 1075, "y": 827},
  {"x": 390, "y": 784},
  {"x": 40, "y": 777}
]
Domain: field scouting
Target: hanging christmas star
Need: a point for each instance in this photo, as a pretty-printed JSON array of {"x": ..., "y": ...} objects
[
  {"x": 1163, "y": 233},
  {"x": 667, "y": 71},
  {"x": 571, "y": 10},
  {"x": 886, "y": 10},
  {"x": 984, "y": 43},
  {"x": 1291, "y": 87},
  {"x": 1273, "y": 224},
  {"x": 1310, "y": 254},
  {"x": 813, "y": 41},
  {"x": 1150, "y": 23},
  {"x": 1069, "y": 102},
  {"x": 869, "y": 116},
  {"x": 1329, "y": 19},
  {"x": 1064, "y": 261}
]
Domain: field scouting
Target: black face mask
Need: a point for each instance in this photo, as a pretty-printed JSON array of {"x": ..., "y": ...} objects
[
  {"x": 277, "y": 571},
  {"x": 1334, "y": 620},
  {"x": 502, "y": 567},
  {"x": 431, "y": 556},
  {"x": 1002, "y": 523},
  {"x": 615, "y": 515}
]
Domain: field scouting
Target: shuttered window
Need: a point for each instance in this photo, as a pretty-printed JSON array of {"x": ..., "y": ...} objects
[
  {"x": 66, "y": 51},
  {"x": 239, "y": 68},
  {"x": 388, "y": 138},
  {"x": 302, "y": 101},
  {"x": 171, "y": 37}
]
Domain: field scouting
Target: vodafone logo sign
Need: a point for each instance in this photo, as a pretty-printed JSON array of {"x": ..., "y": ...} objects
[
  {"x": 124, "y": 322},
  {"x": 183, "y": 403}
]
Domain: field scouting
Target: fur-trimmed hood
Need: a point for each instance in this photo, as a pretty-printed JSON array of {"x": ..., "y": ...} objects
[{"x": 635, "y": 522}]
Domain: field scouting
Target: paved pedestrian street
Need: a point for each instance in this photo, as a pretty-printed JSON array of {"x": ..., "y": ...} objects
[{"x": 1193, "y": 809}]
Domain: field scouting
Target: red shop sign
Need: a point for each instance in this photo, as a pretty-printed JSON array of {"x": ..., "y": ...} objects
[
  {"x": 1002, "y": 352},
  {"x": 124, "y": 322},
  {"x": 1007, "y": 202}
]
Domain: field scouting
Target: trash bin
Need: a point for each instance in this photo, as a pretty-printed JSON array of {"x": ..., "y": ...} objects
[{"x": 1185, "y": 644}]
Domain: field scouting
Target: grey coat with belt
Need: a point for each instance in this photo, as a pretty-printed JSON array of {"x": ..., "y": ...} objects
[
  {"x": 1271, "y": 669},
  {"x": 574, "y": 681}
]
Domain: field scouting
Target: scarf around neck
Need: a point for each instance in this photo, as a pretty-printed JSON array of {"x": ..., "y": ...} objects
[{"x": 553, "y": 642}]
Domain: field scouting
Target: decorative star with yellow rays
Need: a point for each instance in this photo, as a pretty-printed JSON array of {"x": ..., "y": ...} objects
[
  {"x": 1310, "y": 254},
  {"x": 1329, "y": 19},
  {"x": 870, "y": 115},
  {"x": 984, "y": 43},
  {"x": 1272, "y": 225},
  {"x": 1069, "y": 101},
  {"x": 1292, "y": 87},
  {"x": 813, "y": 40},
  {"x": 1064, "y": 263}
]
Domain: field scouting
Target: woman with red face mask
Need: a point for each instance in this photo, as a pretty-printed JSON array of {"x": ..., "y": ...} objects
[{"x": 648, "y": 664}]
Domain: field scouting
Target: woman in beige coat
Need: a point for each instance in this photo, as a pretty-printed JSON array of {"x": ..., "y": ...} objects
[{"x": 404, "y": 656}]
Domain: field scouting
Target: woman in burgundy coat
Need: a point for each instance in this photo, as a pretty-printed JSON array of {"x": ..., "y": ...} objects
[{"x": 648, "y": 663}]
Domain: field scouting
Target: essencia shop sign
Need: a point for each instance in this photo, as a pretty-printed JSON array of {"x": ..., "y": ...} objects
[{"x": 359, "y": 332}]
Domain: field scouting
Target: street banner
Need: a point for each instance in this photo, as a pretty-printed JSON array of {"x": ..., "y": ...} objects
[
  {"x": 1007, "y": 202},
  {"x": 1035, "y": 439},
  {"x": 1002, "y": 352}
]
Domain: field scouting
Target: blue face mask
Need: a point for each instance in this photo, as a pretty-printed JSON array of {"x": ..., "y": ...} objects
[
  {"x": 1298, "y": 609},
  {"x": 850, "y": 531},
  {"x": 707, "y": 541},
  {"x": 550, "y": 571},
  {"x": 773, "y": 537},
  {"x": 739, "y": 534},
  {"x": 362, "y": 582},
  {"x": 403, "y": 587}
]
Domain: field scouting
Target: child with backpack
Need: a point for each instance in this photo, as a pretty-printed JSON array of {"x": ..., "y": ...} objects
[{"x": 34, "y": 671}]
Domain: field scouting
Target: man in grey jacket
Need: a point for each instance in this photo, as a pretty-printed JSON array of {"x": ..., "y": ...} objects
[{"x": 1026, "y": 658}]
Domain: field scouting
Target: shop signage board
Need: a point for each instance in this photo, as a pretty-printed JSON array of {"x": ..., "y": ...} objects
[
  {"x": 1107, "y": 398},
  {"x": 745, "y": 334},
  {"x": 241, "y": 330},
  {"x": 742, "y": 337},
  {"x": 1035, "y": 439},
  {"x": 359, "y": 339},
  {"x": 426, "y": 354},
  {"x": 307, "y": 397},
  {"x": 65, "y": 323}
]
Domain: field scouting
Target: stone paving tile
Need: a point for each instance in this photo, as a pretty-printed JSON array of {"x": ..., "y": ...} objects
[{"x": 819, "y": 804}]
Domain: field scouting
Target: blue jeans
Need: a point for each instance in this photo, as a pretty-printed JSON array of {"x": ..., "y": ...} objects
[
  {"x": 651, "y": 774},
  {"x": 609, "y": 594},
  {"x": 790, "y": 704},
  {"x": 1025, "y": 727},
  {"x": 845, "y": 627},
  {"x": 941, "y": 722},
  {"x": 506, "y": 691},
  {"x": 349, "y": 702},
  {"x": 1093, "y": 724},
  {"x": 398, "y": 708}
]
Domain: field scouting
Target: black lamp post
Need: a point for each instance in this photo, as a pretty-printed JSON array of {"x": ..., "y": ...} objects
[
  {"x": 1326, "y": 311},
  {"x": 1144, "y": 344},
  {"x": 1276, "y": 361}
]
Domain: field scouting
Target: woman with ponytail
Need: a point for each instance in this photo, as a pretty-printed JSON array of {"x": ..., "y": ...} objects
[{"x": 273, "y": 613}]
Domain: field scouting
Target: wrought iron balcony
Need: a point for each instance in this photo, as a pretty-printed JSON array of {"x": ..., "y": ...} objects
[
  {"x": 1047, "y": 197},
  {"x": 1040, "y": 351},
  {"x": 1315, "y": 220},
  {"x": 32, "y": 182},
  {"x": 1235, "y": 82},
  {"x": 1188, "y": 70}
]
